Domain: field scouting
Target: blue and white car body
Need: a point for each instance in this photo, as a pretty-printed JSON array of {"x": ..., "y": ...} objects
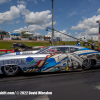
[
  {"x": 80, "y": 59},
  {"x": 70, "y": 55}
]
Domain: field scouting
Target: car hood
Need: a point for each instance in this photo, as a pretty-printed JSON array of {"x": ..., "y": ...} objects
[{"x": 19, "y": 53}]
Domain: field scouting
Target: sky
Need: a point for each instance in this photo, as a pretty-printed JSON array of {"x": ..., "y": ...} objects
[{"x": 73, "y": 17}]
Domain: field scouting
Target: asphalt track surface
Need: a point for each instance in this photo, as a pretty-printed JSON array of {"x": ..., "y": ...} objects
[{"x": 74, "y": 85}]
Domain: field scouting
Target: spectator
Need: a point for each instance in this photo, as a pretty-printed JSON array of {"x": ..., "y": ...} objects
[
  {"x": 16, "y": 50},
  {"x": 93, "y": 45},
  {"x": 78, "y": 43},
  {"x": 63, "y": 43},
  {"x": 99, "y": 46},
  {"x": 1, "y": 37}
]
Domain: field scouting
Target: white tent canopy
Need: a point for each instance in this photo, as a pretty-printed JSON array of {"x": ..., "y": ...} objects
[{"x": 28, "y": 33}]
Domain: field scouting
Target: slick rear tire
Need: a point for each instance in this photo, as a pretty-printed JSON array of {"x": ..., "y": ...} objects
[{"x": 87, "y": 64}]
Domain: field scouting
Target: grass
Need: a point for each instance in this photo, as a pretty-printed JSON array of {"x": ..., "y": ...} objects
[{"x": 9, "y": 44}]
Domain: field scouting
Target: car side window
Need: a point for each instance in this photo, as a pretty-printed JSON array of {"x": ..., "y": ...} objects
[
  {"x": 63, "y": 49},
  {"x": 76, "y": 49},
  {"x": 72, "y": 49}
]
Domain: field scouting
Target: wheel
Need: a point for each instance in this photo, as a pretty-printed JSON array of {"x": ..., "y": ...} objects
[
  {"x": 10, "y": 70},
  {"x": 87, "y": 64}
]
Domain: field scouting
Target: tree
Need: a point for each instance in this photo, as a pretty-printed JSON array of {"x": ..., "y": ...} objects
[
  {"x": 24, "y": 35},
  {"x": 90, "y": 40}
]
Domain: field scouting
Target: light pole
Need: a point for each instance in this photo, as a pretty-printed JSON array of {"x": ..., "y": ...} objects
[
  {"x": 52, "y": 23},
  {"x": 99, "y": 31}
]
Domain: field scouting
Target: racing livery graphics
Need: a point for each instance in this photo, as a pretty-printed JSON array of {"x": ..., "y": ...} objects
[
  {"x": 64, "y": 62},
  {"x": 49, "y": 59}
]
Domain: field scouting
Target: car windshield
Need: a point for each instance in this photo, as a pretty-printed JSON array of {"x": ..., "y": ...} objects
[
  {"x": 58, "y": 49},
  {"x": 42, "y": 50}
]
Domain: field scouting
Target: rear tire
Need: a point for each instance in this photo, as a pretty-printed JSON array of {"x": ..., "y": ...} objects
[{"x": 87, "y": 64}]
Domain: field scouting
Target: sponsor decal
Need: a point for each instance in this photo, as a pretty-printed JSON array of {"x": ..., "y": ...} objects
[
  {"x": 30, "y": 60},
  {"x": 30, "y": 69},
  {"x": 17, "y": 53},
  {"x": 2, "y": 52},
  {"x": 5, "y": 51},
  {"x": 9, "y": 52},
  {"x": 16, "y": 61},
  {"x": 29, "y": 52}
]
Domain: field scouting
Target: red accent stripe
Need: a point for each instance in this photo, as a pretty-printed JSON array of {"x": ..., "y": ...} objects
[
  {"x": 99, "y": 33},
  {"x": 47, "y": 57},
  {"x": 40, "y": 63}
]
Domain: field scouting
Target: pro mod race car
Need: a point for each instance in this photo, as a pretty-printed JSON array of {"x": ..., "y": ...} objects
[
  {"x": 49, "y": 59},
  {"x": 22, "y": 47}
]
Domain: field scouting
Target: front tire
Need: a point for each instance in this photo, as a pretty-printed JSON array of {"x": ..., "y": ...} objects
[{"x": 10, "y": 70}]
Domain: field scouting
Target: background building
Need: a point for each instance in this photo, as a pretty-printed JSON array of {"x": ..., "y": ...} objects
[
  {"x": 84, "y": 38},
  {"x": 95, "y": 38}
]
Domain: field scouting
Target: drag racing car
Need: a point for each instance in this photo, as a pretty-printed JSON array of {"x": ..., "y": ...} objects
[
  {"x": 22, "y": 47},
  {"x": 49, "y": 59},
  {"x": 25, "y": 48}
]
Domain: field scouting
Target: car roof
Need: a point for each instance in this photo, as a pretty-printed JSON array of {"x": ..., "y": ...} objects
[
  {"x": 68, "y": 46},
  {"x": 79, "y": 47}
]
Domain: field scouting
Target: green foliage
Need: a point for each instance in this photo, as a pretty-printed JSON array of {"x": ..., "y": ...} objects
[
  {"x": 89, "y": 40},
  {"x": 23, "y": 32},
  {"x": 23, "y": 35}
]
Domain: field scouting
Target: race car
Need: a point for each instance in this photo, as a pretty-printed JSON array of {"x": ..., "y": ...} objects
[
  {"x": 45, "y": 60},
  {"x": 25, "y": 48},
  {"x": 22, "y": 47}
]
